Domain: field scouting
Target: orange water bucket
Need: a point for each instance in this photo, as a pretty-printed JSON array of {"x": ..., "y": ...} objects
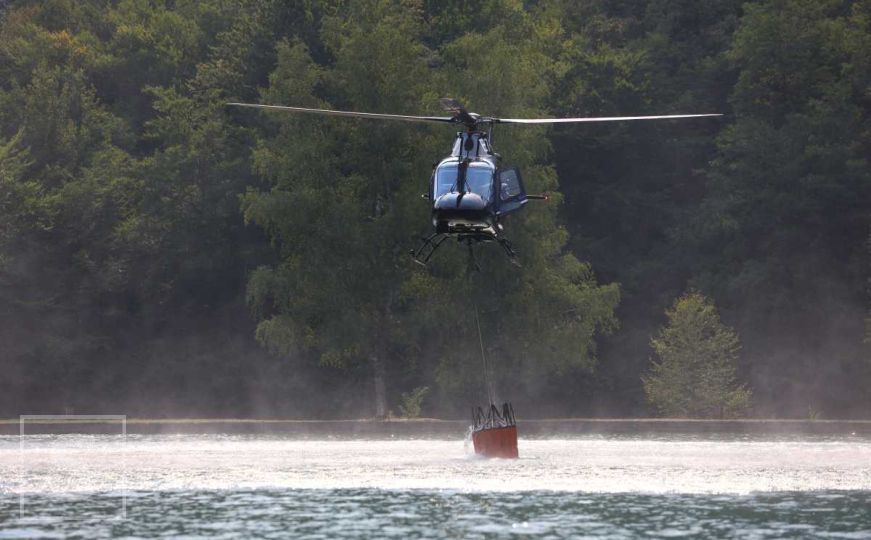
[{"x": 497, "y": 442}]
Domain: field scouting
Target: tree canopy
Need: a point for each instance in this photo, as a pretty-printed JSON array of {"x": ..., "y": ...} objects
[
  {"x": 162, "y": 254},
  {"x": 695, "y": 374}
]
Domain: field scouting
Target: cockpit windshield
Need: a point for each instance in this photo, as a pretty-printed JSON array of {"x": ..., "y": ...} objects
[{"x": 479, "y": 180}]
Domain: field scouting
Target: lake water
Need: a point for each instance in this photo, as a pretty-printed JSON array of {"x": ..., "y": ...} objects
[{"x": 262, "y": 486}]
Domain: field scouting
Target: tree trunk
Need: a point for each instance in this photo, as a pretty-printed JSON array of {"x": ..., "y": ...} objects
[{"x": 380, "y": 387}]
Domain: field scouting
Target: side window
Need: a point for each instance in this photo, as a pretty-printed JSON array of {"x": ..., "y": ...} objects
[{"x": 510, "y": 186}]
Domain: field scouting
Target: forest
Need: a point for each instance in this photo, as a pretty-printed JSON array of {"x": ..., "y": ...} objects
[{"x": 162, "y": 254}]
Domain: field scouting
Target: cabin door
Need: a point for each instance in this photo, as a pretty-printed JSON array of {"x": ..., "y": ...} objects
[{"x": 509, "y": 186}]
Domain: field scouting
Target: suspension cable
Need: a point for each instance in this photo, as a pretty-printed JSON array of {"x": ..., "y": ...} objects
[
  {"x": 487, "y": 384},
  {"x": 471, "y": 270}
]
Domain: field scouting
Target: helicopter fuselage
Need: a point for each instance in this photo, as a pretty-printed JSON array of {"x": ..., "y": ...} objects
[{"x": 468, "y": 193}]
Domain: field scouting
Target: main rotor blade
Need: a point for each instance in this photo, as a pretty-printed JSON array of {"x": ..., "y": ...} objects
[
  {"x": 373, "y": 116},
  {"x": 592, "y": 119}
]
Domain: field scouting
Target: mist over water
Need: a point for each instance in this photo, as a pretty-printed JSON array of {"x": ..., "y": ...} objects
[
  {"x": 151, "y": 485},
  {"x": 103, "y": 463}
]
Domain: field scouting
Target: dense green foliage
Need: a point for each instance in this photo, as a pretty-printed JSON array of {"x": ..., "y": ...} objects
[
  {"x": 161, "y": 254},
  {"x": 695, "y": 374},
  {"x": 411, "y": 403}
]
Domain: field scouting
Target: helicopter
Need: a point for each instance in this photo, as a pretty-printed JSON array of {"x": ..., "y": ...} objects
[{"x": 469, "y": 190}]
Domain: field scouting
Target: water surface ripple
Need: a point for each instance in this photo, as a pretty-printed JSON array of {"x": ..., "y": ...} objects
[{"x": 260, "y": 486}]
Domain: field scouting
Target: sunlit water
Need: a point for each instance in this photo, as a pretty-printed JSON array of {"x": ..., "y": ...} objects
[{"x": 238, "y": 486}]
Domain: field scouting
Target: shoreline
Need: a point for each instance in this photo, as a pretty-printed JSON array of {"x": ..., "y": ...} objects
[{"x": 400, "y": 427}]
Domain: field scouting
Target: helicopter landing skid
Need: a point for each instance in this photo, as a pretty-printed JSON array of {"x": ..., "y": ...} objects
[
  {"x": 506, "y": 244},
  {"x": 509, "y": 250},
  {"x": 431, "y": 244}
]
